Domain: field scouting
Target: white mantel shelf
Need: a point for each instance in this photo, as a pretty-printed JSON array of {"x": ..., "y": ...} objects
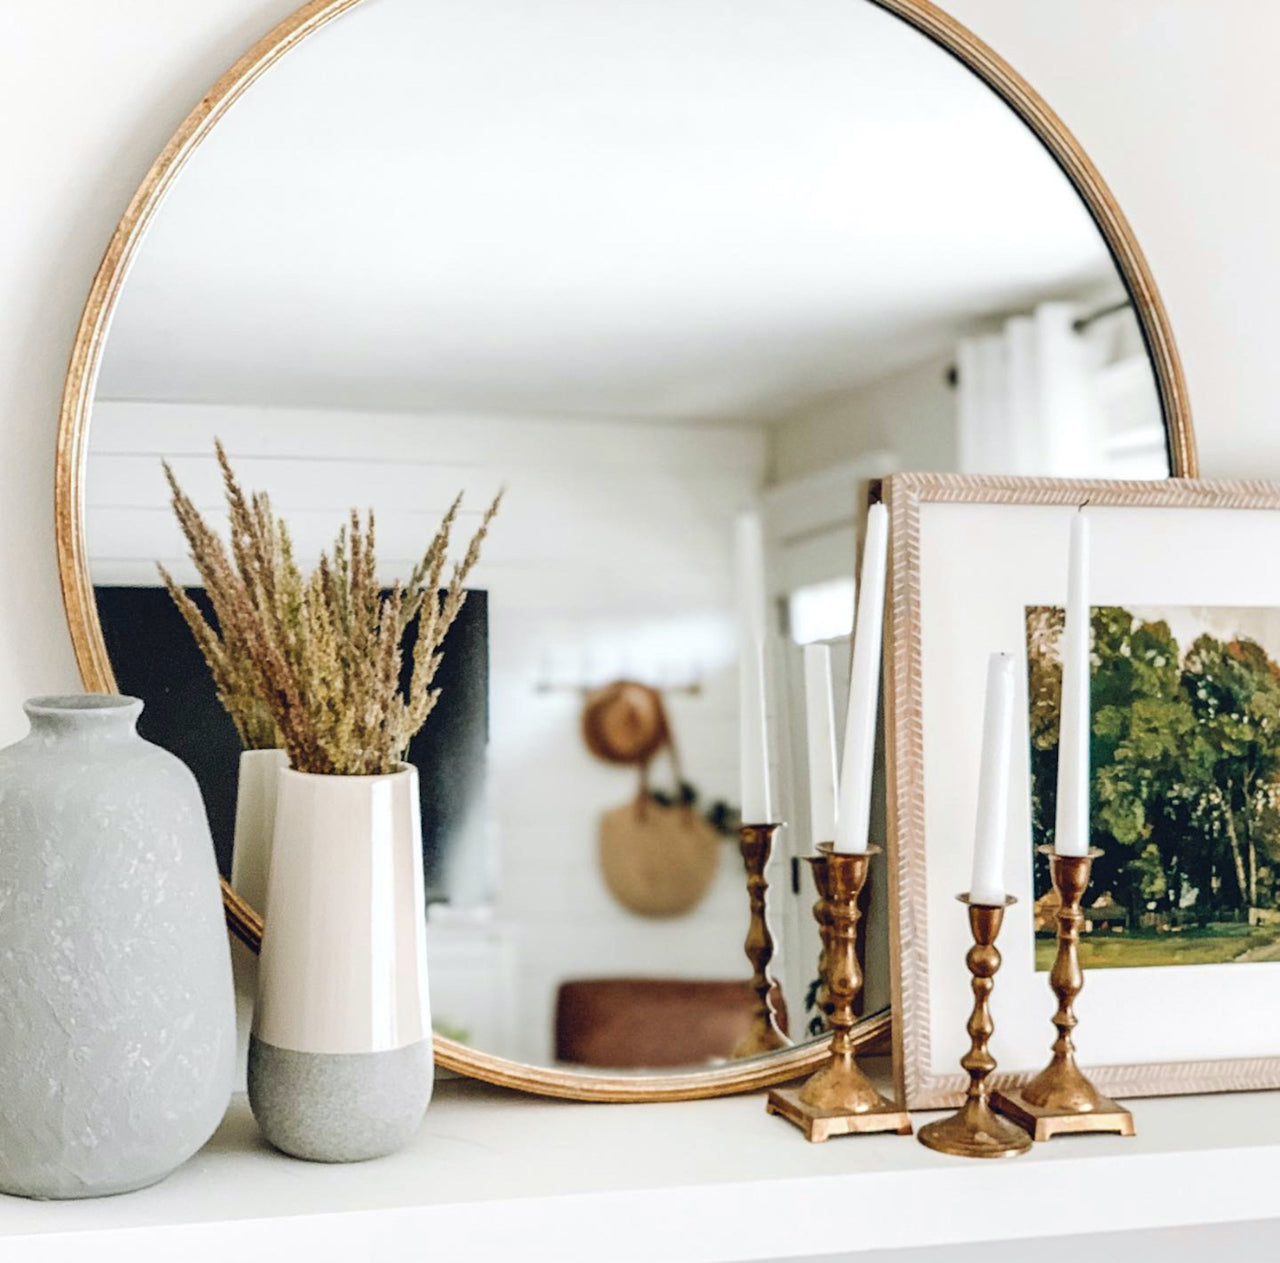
[{"x": 494, "y": 1175}]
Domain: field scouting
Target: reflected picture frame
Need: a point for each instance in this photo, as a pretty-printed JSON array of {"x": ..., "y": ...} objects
[{"x": 971, "y": 558}]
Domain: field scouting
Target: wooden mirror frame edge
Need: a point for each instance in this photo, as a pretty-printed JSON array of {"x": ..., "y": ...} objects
[{"x": 73, "y": 444}]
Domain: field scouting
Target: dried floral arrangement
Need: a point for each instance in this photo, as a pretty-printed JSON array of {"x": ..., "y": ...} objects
[{"x": 312, "y": 663}]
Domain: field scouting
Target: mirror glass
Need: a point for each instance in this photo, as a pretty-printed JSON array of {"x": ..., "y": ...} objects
[{"x": 646, "y": 266}]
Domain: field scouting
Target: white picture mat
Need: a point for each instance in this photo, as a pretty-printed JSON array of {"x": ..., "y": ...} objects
[{"x": 980, "y": 567}]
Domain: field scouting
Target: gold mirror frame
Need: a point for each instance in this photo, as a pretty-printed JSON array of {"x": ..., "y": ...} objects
[{"x": 73, "y": 445}]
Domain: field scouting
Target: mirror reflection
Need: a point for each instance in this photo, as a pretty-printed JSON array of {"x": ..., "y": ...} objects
[{"x": 770, "y": 254}]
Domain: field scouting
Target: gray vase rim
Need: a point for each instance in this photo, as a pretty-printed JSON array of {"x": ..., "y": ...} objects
[
  {"x": 108, "y": 705},
  {"x": 83, "y": 716}
]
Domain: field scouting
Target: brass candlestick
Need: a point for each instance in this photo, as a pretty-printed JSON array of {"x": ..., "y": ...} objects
[
  {"x": 839, "y": 1098},
  {"x": 756, "y": 843},
  {"x": 1060, "y": 1100},
  {"x": 975, "y": 1130}
]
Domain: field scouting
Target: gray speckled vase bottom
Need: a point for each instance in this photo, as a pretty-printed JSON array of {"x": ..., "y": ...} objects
[{"x": 339, "y": 1107}]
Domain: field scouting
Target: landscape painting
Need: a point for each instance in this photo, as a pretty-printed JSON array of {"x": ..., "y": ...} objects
[{"x": 1185, "y": 756}]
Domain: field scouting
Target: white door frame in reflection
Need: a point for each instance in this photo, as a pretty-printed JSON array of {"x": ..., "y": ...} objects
[{"x": 77, "y": 403}]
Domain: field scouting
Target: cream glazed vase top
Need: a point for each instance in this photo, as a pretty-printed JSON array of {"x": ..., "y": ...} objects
[
  {"x": 255, "y": 824},
  {"x": 340, "y": 1059},
  {"x": 117, "y": 1025}
]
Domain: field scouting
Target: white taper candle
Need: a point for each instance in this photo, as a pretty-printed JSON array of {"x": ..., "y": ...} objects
[
  {"x": 753, "y": 748},
  {"x": 748, "y": 541},
  {"x": 819, "y": 709},
  {"x": 753, "y": 735},
  {"x": 853, "y": 820},
  {"x": 1071, "y": 829},
  {"x": 990, "y": 835}
]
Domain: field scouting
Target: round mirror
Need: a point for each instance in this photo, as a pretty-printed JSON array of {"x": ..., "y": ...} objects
[{"x": 648, "y": 268}]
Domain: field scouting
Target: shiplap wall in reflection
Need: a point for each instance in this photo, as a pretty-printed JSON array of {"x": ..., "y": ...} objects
[{"x": 611, "y": 556}]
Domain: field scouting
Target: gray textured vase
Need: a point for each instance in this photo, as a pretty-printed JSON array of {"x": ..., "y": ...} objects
[{"x": 117, "y": 1021}]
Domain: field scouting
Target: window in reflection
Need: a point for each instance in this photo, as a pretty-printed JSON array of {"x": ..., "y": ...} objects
[{"x": 821, "y": 611}]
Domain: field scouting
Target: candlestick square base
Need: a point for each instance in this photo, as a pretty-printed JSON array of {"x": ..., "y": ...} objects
[
  {"x": 1046, "y": 1121},
  {"x": 818, "y": 1123}
]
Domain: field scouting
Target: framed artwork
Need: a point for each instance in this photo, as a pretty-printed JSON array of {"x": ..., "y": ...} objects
[{"x": 1182, "y": 939}]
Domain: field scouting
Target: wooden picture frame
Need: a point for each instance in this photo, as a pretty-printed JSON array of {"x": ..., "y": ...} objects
[{"x": 927, "y": 739}]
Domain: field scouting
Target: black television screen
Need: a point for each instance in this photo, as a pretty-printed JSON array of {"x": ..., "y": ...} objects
[{"x": 155, "y": 658}]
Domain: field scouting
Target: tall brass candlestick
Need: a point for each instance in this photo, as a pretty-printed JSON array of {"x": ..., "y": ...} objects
[
  {"x": 839, "y": 1098},
  {"x": 1060, "y": 1100},
  {"x": 756, "y": 843},
  {"x": 974, "y": 1130}
]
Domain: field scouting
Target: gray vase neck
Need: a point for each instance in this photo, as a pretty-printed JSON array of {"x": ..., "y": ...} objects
[{"x": 84, "y": 716}]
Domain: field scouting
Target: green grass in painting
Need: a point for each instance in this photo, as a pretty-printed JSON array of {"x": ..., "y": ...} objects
[{"x": 1211, "y": 945}]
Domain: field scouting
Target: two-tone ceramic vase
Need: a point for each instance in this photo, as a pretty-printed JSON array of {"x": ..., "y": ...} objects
[
  {"x": 255, "y": 824},
  {"x": 117, "y": 1024},
  {"x": 340, "y": 1058}
]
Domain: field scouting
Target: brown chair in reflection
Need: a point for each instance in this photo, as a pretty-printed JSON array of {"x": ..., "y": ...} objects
[{"x": 653, "y": 1023}]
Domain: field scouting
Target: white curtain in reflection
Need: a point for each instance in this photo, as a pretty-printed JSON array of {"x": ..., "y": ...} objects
[{"x": 1028, "y": 398}]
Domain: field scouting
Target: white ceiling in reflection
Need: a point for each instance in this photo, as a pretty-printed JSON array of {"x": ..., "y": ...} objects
[{"x": 667, "y": 209}]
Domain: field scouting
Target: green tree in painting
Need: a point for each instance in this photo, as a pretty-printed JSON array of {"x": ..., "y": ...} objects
[
  {"x": 1234, "y": 690},
  {"x": 1141, "y": 722},
  {"x": 1185, "y": 751},
  {"x": 1044, "y": 693}
]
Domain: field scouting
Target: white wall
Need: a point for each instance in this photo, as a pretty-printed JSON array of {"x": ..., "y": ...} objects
[
  {"x": 871, "y": 420},
  {"x": 610, "y": 557}
]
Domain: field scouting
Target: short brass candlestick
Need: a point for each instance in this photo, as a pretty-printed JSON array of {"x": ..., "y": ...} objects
[
  {"x": 1060, "y": 1100},
  {"x": 975, "y": 1130},
  {"x": 756, "y": 843},
  {"x": 839, "y": 1098}
]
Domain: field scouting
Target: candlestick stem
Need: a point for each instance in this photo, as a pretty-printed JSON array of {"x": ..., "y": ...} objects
[
  {"x": 1060, "y": 1099},
  {"x": 975, "y": 1130},
  {"x": 756, "y": 844}
]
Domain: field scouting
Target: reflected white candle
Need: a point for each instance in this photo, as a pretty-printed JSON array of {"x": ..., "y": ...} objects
[
  {"x": 753, "y": 736},
  {"x": 853, "y": 820},
  {"x": 753, "y": 748},
  {"x": 1071, "y": 830},
  {"x": 748, "y": 540},
  {"x": 819, "y": 709},
  {"x": 987, "y": 885}
]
